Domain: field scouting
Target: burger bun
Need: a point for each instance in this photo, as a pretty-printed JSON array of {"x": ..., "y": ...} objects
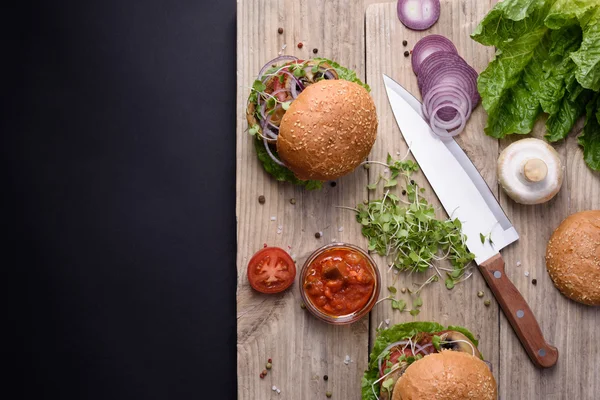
[{"x": 449, "y": 375}]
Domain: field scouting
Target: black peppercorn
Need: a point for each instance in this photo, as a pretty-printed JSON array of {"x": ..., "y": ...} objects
[
  {"x": 315, "y": 50},
  {"x": 280, "y": 30},
  {"x": 318, "y": 235},
  {"x": 534, "y": 281},
  {"x": 406, "y": 53},
  {"x": 325, "y": 377},
  {"x": 333, "y": 184},
  {"x": 404, "y": 192},
  {"x": 261, "y": 199},
  {"x": 404, "y": 43}
]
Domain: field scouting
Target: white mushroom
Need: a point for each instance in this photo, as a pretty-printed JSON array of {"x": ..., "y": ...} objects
[{"x": 530, "y": 171}]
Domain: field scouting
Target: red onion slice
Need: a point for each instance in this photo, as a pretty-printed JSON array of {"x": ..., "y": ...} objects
[
  {"x": 418, "y": 14},
  {"x": 274, "y": 61},
  {"x": 446, "y": 93},
  {"x": 427, "y": 46},
  {"x": 448, "y": 68},
  {"x": 277, "y": 161},
  {"x": 444, "y": 133}
]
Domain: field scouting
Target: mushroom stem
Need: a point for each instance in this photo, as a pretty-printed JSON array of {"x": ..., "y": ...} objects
[{"x": 535, "y": 170}]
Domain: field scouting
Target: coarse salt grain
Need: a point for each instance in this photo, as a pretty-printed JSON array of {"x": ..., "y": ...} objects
[
  {"x": 526, "y": 273},
  {"x": 518, "y": 263},
  {"x": 273, "y": 218},
  {"x": 341, "y": 229},
  {"x": 333, "y": 240},
  {"x": 274, "y": 388},
  {"x": 387, "y": 321},
  {"x": 278, "y": 391}
]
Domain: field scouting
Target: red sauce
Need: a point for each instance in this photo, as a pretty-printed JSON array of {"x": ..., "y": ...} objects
[{"x": 339, "y": 282}]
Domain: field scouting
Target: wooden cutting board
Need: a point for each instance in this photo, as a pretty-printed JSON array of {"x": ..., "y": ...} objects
[{"x": 368, "y": 38}]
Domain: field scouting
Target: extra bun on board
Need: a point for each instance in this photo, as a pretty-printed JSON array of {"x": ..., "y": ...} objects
[
  {"x": 449, "y": 375},
  {"x": 328, "y": 130},
  {"x": 573, "y": 257}
]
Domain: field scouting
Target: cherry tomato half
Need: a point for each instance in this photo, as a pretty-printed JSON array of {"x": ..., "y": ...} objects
[{"x": 271, "y": 270}]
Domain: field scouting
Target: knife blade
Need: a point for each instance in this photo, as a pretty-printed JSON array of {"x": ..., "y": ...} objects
[{"x": 465, "y": 195}]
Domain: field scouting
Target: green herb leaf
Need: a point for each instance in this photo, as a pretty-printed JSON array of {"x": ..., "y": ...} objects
[
  {"x": 387, "y": 384},
  {"x": 414, "y": 312},
  {"x": 254, "y": 129},
  {"x": 392, "y": 289},
  {"x": 399, "y": 305},
  {"x": 258, "y": 86},
  {"x": 436, "y": 342},
  {"x": 286, "y": 105},
  {"x": 482, "y": 237},
  {"x": 418, "y": 302},
  {"x": 449, "y": 283},
  {"x": 390, "y": 183}
]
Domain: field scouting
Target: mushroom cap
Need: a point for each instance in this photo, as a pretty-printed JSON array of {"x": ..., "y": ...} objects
[{"x": 530, "y": 171}]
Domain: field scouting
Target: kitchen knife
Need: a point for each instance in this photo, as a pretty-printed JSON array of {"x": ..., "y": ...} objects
[{"x": 465, "y": 195}]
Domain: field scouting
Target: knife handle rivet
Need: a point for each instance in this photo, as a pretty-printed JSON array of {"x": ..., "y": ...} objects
[
  {"x": 497, "y": 274},
  {"x": 542, "y": 352},
  {"x": 520, "y": 314}
]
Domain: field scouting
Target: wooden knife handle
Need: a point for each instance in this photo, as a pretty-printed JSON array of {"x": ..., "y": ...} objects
[{"x": 518, "y": 313}]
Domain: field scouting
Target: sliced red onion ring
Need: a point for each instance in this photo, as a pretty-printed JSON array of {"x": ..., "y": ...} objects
[
  {"x": 441, "y": 132},
  {"x": 449, "y": 93},
  {"x": 427, "y": 46},
  {"x": 418, "y": 14},
  {"x": 434, "y": 62},
  {"x": 420, "y": 349},
  {"x": 277, "y": 161},
  {"x": 274, "y": 61},
  {"x": 448, "y": 68},
  {"x": 328, "y": 74}
]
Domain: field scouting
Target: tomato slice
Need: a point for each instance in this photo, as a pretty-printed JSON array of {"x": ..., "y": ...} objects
[{"x": 271, "y": 270}]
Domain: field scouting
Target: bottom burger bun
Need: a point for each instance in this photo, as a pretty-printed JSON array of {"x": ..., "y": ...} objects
[
  {"x": 448, "y": 375},
  {"x": 573, "y": 257}
]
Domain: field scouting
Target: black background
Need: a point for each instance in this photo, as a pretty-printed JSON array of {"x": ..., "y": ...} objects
[{"x": 118, "y": 199}]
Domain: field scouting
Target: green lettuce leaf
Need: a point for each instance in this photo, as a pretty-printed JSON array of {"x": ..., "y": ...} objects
[
  {"x": 516, "y": 35},
  {"x": 570, "y": 12},
  {"x": 587, "y": 58},
  {"x": 393, "y": 334},
  {"x": 560, "y": 123},
  {"x": 590, "y": 138},
  {"x": 281, "y": 173},
  {"x": 547, "y": 61}
]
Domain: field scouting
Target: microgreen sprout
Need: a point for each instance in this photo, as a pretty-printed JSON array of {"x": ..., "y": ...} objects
[{"x": 408, "y": 231}]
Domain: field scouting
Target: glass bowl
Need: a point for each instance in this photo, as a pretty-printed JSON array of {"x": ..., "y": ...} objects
[{"x": 355, "y": 315}]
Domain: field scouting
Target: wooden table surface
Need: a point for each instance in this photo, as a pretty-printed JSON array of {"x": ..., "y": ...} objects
[{"x": 367, "y": 37}]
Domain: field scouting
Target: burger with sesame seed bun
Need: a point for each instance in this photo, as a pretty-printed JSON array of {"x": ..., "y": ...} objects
[
  {"x": 312, "y": 120},
  {"x": 426, "y": 361}
]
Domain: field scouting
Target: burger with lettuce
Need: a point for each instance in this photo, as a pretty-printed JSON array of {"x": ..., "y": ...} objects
[
  {"x": 312, "y": 120},
  {"x": 425, "y": 360}
]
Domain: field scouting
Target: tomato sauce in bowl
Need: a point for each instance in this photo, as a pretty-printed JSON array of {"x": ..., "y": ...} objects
[{"x": 340, "y": 283}]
